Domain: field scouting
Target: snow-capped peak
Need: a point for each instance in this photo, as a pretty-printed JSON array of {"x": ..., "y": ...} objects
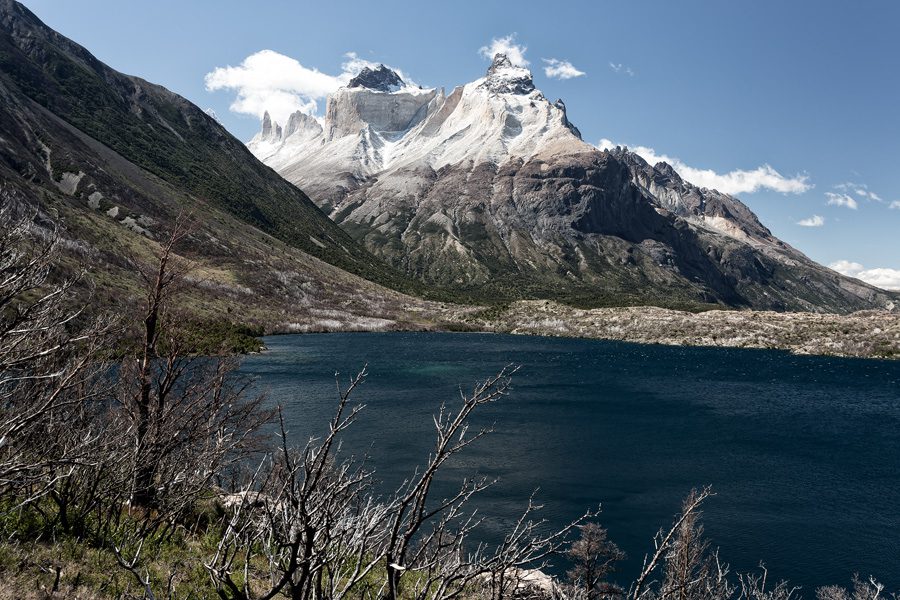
[
  {"x": 505, "y": 78},
  {"x": 380, "y": 79}
]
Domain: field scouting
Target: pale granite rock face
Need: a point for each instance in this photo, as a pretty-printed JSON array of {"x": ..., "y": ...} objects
[
  {"x": 302, "y": 125},
  {"x": 351, "y": 110}
]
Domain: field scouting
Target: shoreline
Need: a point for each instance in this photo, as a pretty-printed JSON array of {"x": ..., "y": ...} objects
[{"x": 864, "y": 334}]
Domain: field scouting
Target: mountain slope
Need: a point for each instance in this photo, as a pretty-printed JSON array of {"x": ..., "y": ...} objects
[
  {"x": 167, "y": 136},
  {"x": 490, "y": 190},
  {"x": 110, "y": 161}
]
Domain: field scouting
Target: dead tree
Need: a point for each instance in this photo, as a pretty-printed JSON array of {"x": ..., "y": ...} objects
[
  {"x": 686, "y": 568},
  {"x": 182, "y": 422},
  {"x": 665, "y": 541},
  {"x": 593, "y": 557},
  {"x": 184, "y": 418},
  {"x": 147, "y": 405},
  {"x": 412, "y": 511}
]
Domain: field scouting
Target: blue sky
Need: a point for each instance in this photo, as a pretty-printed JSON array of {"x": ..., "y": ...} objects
[{"x": 811, "y": 89}]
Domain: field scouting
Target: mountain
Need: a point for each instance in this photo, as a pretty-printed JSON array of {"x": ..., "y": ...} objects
[
  {"x": 110, "y": 160},
  {"x": 490, "y": 190}
]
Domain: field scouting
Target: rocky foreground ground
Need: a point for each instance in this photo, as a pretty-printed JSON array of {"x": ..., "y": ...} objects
[{"x": 860, "y": 334}]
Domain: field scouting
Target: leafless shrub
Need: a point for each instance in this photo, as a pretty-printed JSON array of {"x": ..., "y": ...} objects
[
  {"x": 50, "y": 368},
  {"x": 868, "y": 589},
  {"x": 755, "y": 586}
]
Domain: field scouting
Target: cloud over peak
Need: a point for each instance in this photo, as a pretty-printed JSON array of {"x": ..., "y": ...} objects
[
  {"x": 273, "y": 82},
  {"x": 738, "y": 181},
  {"x": 506, "y": 45}
]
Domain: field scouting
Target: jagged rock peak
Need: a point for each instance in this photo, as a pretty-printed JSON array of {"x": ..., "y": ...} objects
[
  {"x": 266, "y": 125},
  {"x": 667, "y": 170},
  {"x": 505, "y": 78},
  {"x": 501, "y": 61},
  {"x": 627, "y": 157},
  {"x": 299, "y": 121},
  {"x": 562, "y": 106},
  {"x": 380, "y": 79},
  {"x": 636, "y": 163}
]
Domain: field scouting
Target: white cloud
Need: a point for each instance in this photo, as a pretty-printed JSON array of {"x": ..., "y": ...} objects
[
  {"x": 888, "y": 279},
  {"x": 860, "y": 189},
  {"x": 620, "y": 68},
  {"x": 846, "y": 267},
  {"x": 844, "y": 200},
  {"x": 506, "y": 45},
  {"x": 561, "y": 69},
  {"x": 870, "y": 195},
  {"x": 813, "y": 221},
  {"x": 895, "y": 205},
  {"x": 273, "y": 82},
  {"x": 354, "y": 64},
  {"x": 279, "y": 84},
  {"x": 734, "y": 182}
]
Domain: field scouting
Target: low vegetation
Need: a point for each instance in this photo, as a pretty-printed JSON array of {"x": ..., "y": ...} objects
[
  {"x": 160, "y": 474},
  {"x": 220, "y": 335},
  {"x": 870, "y": 334}
]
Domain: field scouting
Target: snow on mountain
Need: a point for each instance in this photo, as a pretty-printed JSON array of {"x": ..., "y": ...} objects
[{"x": 378, "y": 123}]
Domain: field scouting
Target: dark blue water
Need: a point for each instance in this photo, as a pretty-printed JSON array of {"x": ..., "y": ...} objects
[{"x": 803, "y": 452}]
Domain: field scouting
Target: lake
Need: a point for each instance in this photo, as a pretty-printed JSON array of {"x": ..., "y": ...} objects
[{"x": 802, "y": 452}]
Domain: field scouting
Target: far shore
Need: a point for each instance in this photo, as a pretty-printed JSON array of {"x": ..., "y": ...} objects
[{"x": 864, "y": 334}]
